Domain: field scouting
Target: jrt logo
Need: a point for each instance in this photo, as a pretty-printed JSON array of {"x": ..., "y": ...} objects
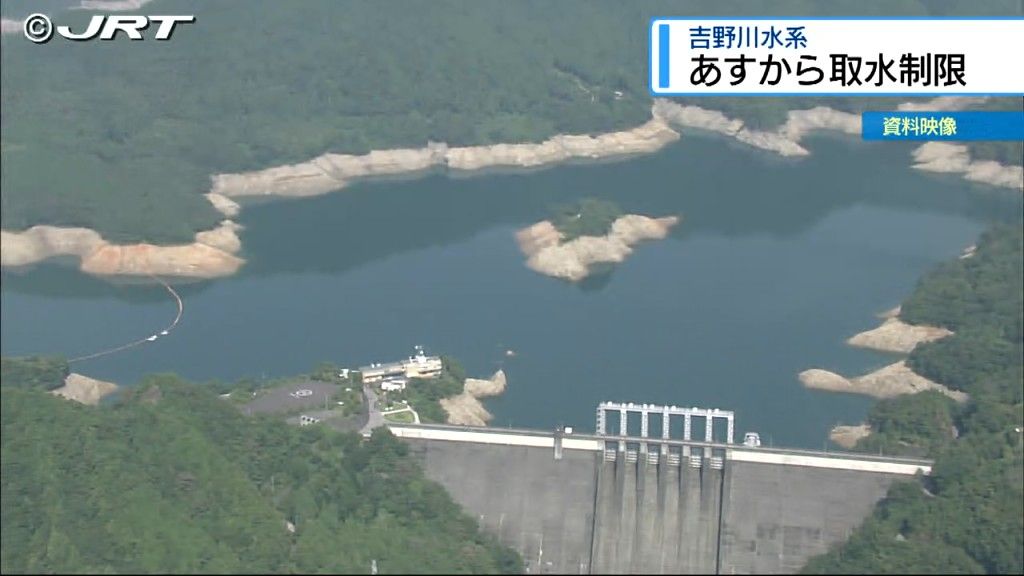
[{"x": 39, "y": 29}]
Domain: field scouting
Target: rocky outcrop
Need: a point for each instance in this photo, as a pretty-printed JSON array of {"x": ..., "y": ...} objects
[
  {"x": 211, "y": 255},
  {"x": 190, "y": 261},
  {"x": 213, "y": 252},
  {"x": 895, "y": 335},
  {"x": 955, "y": 158},
  {"x": 465, "y": 409},
  {"x": 223, "y": 204},
  {"x": 327, "y": 172},
  {"x": 84, "y": 389},
  {"x": 648, "y": 137},
  {"x": 950, "y": 103},
  {"x": 40, "y": 242},
  {"x": 572, "y": 260},
  {"x": 223, "y": 237},
  {"x": 892, "y": 380},
  {"x": 334, "y": 171},
  {"x": 848, "y": 436},
  {"x": 695, "y": 117},
  {"x": 785, "y": 140},
  {"x": 799, "y": 123},
  {"x": 485, "y": 388}
]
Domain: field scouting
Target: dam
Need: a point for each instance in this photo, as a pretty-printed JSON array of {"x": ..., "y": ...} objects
[{"x": 581, "y": 503}]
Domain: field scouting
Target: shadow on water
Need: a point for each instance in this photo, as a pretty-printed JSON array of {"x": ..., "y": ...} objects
[
  {"x": 600, "y": 276},
  {"x": 63, "y": 280}
]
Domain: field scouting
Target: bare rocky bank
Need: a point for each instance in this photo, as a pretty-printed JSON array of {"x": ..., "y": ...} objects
[
  {"x": 211, "y": 255},
  {"x": 895, "y": 335},
  {"x": 954, "y": 158},
  {"x": 785, "y": 140},
  {"x": 893, "y": 380},
  {"x": 465, "y": 409},
  {"x": 548, "y": 254},
  {"x": 848, "y": 436},
  {"x": 84, "y": 389},
  {"x": 329, "y": 172}
]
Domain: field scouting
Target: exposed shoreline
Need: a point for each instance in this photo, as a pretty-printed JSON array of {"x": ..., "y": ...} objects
[
  {"x": 848, "y": 436},
  {"x": 84, "y": 390},
  {"x": 892, "y": 336},
  {"x": 785, "y": 140},
  {"x": 213, "y": 253},
  {"x": 465, "y": 409},
  {"x": 955, "y": 158},
  {"x": 889, "y": 381},
  {"x": 573, "y": 260},
  {"x": 896, "y": 336},
  {"x": 331, "y": 172}
]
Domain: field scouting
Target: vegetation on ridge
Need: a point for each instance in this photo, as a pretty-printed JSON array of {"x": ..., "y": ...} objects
[
  {"x": 588, "y": 217},
  {"x": 965, "y": 517},
  {"x": 138, "y": 128},
  {"x": 173, "y": 479}
]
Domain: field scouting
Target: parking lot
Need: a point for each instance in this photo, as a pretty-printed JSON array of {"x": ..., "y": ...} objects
[{"x": 295, "y": 396}]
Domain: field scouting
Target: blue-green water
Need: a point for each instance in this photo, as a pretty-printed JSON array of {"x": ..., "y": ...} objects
[{"x": 774, "y": 265}]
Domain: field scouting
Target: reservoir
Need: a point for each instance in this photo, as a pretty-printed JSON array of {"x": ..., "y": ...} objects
[{"x": 774, "y": 264}]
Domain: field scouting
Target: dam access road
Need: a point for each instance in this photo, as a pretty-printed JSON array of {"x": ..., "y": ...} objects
[{"x": 581, "y": 504}]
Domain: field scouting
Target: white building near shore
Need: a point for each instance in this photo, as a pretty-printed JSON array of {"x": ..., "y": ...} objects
[
  {"x": 417, "y": 366},
  {"x": 393, "y": 384}
]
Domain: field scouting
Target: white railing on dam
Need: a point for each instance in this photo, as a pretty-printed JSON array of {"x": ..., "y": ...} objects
[
  {"x": 776, "y": 456},
  {"x": 836, "y": 461},
  {"x": 495, "y": 436}
]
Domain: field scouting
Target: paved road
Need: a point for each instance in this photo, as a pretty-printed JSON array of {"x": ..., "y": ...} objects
[{"x": 376, "y": 419}]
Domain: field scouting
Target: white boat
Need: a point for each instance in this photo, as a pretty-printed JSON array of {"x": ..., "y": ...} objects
[
  {"x": 152, "y": 338},
  {"x": 163, "y": 333}
]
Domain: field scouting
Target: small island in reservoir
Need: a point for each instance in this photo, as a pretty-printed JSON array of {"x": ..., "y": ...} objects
[{"x": 582, "y": 237}]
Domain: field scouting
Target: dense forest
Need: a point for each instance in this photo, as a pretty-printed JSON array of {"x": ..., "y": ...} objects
[
  {"x": 137, "y": 128},
  {"x": 968, "y": 516},
  {"x": 173, "y": 479},
  {"x": 43, "y": 372}
]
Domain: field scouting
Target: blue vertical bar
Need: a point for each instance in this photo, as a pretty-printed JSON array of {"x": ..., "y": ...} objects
[{"x": 663, "y": 56}]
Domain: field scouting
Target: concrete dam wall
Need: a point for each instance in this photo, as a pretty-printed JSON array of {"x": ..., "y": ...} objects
[
  {"x": 570, "y": 506},
  {"x": 775, "y": 518},
  {"x": 656, "y": 518},
  {"x": 542, "y": 507}
]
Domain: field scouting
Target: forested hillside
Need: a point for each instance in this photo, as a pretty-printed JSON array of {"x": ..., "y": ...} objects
[
  {"x": 43, "y": 372},
  {"x": 137, "y": 128},
  {"x": 175, "y": 480},
  {"x": 968, "y": 516}
]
